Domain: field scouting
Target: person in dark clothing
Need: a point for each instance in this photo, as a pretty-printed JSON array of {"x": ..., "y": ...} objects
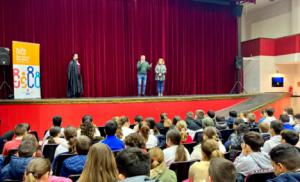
[
  {"x": 75, "y": 85},
  {"x": 163, "y": 116},
  {"x": 289, "y": 136},
  {"x": 143, "y": 67},
  {"x": 231, "y": 119},
  {"x": 199, "y": 116},
  {"x": 191, "y": 122},
  {"x": 221, "y": 123},
  {"x": 175, "y": 120}
]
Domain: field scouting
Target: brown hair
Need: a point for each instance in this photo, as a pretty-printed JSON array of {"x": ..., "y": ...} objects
[
  {"x": 156, "y": 156},
  {"x": 175, "y": 138},
  {"x": 20, "y": 130},
  {"x": 181, "y": 126},
  {"x": 70, "y": 135},
  {"x": 87, "y": 129},
  {"x": 210, "y": 149},
  {"x": 135, "y": 140},
  {"x": 100, "y": 165},
  {"x": 144, "y": 131},
  {"x": 167, "y": 123},
  {"x": 254, "y": 140},
  {"x": 119, "y": 132},
  {"x": 264, "y": 127},
  {"x": 211, "y": 133},
  {"x": 36, "y": 168},
  {"x": 54, "y": 132},
  {"x": 222, "y": 170}
]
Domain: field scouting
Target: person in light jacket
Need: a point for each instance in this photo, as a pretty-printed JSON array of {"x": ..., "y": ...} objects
[{"x": 160, "y": 76}]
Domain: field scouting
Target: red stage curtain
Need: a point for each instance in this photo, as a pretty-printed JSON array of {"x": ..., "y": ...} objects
[{"x": 198, "y": 42}]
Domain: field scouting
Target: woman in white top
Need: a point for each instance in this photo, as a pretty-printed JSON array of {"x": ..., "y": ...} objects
[
  {"x": 150, "y": 140},
  {"x": 175, "y": 152},
  {"x": 55, "y": 137},
  {"x": 68, "y": 146},
  {"x": 208, "y": 133},
  {"x": 126, "y": 130}
]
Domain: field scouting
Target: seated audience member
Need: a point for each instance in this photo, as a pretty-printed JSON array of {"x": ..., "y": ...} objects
[
  {"x": 68, "y": 146},
  {"x": 297, "y": 123},
  {"x": 199, "y": 170},
  {"x": 167, "y": 123},
  {"x": 175, "y": 120},
  {"x": 208, "y": 133},
  {"x": 137, "y": 120},
  {"x": 39, "y": 169},
  {"x": 88, "y": 129},
  {"x": 16, "y": 167},
  {"x": 286, "y": 163},
  {"x": 212, "y": 115},
  {"x": 88, "y": 118},
  {"x": 100, "y": 165},
  {"x": 269, "y": 115},
  {"x": 221, "y": 170},
  {"x": 221, "y": 123},
  {"x": 133, "y": 165},
  {"x": 151, "y": 123},
  {"x": 182, "y": 128},
  {"x": 135, "y": 140},
  {"x": 244, "y": 116},
  {"x": 207, "y": 121},
  {"x": 264, "y": 131},
  {"x": 251, "y": 158},
  {"x": 126, "y": 130},
  {"x": 32, "y": 138},
  {"x": 150, "y": 140},
  {"x": 191, "y": 122},
  {"x": 284, "y": 118},
  {"x": 27, "y": 126},
  {"x": 159, "y": 170},
  {"x": 54, "y": 138},
  {"x": 56, "y": 121},
  {"x": 275, "y": 128},
  {"x": 75, "y": 164},
  {"x": 199, "y": 116},
  {"x": 263, "y": 116},
  {"x": 235, "y": 139},
  {"x": 251, "y": 120},
  {"x": 231, "y": 119},
  {"x": 290, "y": 112},
  {"x": 111, "y": 140},
  {"x": 19, "y": 131},
  {"x": 160, "y": 125},
  {"x": 290, "y": 137},
  {"x": 176, "y": 151}
]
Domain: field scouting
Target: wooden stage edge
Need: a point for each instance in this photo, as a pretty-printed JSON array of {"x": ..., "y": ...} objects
[{"x": 85, "y": 100}]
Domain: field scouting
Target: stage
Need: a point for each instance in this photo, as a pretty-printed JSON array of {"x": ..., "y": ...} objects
[{"x": 38, "y": 112}]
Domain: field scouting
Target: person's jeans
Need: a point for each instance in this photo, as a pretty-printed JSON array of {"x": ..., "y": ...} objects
[
  {"x": 142, "y": 81},
  {"x": 160, "y": 87}
]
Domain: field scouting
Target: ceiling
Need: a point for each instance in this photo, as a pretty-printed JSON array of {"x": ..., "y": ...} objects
[{"x": 259, "y": 4}]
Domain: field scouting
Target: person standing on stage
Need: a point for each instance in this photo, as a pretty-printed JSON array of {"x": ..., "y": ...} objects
[
  {"x": 142, "y": 68},
  {"x": 75, "y": 86},
  {"x": 160, "y": 76}
]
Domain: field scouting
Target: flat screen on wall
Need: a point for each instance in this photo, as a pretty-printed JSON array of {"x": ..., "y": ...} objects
[{"x": 277, "y": 81}]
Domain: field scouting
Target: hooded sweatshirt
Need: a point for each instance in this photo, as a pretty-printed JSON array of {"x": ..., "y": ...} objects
[
  {"x": 287, "y": 177},
  {"x": 138, "y": 179},
  {"x": 162, "y": 173},
  {"x": 252, "y": 162},
  {"x": 15, "y": 168}
]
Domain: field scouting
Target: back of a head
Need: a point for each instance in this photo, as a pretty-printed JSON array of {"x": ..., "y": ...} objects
[
  {"x": 20, "y": 130},
  {"x": 190, "y": 115},
  {"x": 211, "y": 114},
  {"x": 135, "y": 140},
  {"x": 111, "y": 128},
  {"x": 138, "y": 118},
  {"x": 277, "y": 127},
  {"x": 70, "y": 132},
  {"x": 242, "y": 128},
  {"x": 254, "y": 140},
  {"x": 174, "y": 136},
  {"x": 287, "y": 155},
  {"x": 264, "y": 127},
  {"x": 222, "y": 170},
  {"x": 238, "y": 121},
  {"x": 289, "y": 111},
  {"x": 100, "y": 165},
  {"x": 270, "y": 111},
  {"x": 54, "y": 131},
  {"x": 87, "y": 118},
  {"x": 163, "y": 116},
  {"x": 83, "y": 144},
  {"x": 220, "y": 119},
  {"x": 210, "y": 132},
  {"x": 27, "y": 149},
  {"x": 251, "y": 117},
  {"x": 31, "y": 138},
  {"x": 57, "y": 120},
  {"x": 176, "y": 119},
  {"x": 284, "y": 118},
  {"x": 88, "y": 129},
  {"x": 181, "y": 125},
  {"x": 290, "y": 137},
  {"x": 27, "y": 126},
  {"x": 144, "y": 131},
  {"x": 200, "y": 113},
  {"x": 124, "y": 120},
  {"x": 151, "y": 122},
  {"x": 157, "y": 154},
  {"x": 210, "y": 149},
  {"x": 133, "y": 162},
  {"x": 36, "y": 168},
  {"x": 207, "y": 121},
  {"x": 233, "y": 114},
  {"x": 297, "y": 116}
]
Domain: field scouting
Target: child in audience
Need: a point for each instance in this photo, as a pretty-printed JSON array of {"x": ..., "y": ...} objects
[
  {"x": 191, "y": 125},
  {"x": 221, "y": 123},
  {"x": 297, "y": 123},
  {"x": 89, "y": 118},
  {"x": 251, "y": 120},
  {"x": 68, "y": 146},
  {"x": 286, "y": 163},
  {"x": 100, "y": 165},
  {"x": 20, "y": 132},
  {"x": 135, "y": 140},
  {"x": 111, "y": 140},
  {"x": 126, "y": 130},
  {"x": 54, "y": 138},
  {"x": 56, "y": 121},
  {"x": 251, "y": 158},
  {"x": 137, "y": 120},
  {"x": 269, "y": 115},
  {"x": 199, "y": 170},
  {"x": 176, "y": 151},
  {"x": 263, "y": 116},
  {"x": 151, "y": 123},
  {"x": 221, "y": 170},
  {"x": 290, "y": 137},
  {"x": 182, "y": 128},
  {"x": 159, "y": 170},
  {"x": 150, "y": 140},
  {"x": 39, "y": 169},
  {"x": 264, "y": 130},
  {"x": 235, "y": 139},
  {"x": 290, "y": 112},
  {"x": 208, "y": 133},
  {"x": 244, "y": 116},
  {"x": 199, "y": 116},
  {"x": 75, "y": 164},
  {"x": 88, "y": 129},
  {"x": 275, "y": 128},
  {"x": 231, "y": 119},
  {"x": 284, "y": 118}
]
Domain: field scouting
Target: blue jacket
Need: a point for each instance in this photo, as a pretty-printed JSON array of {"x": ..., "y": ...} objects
[
  {"x": 114, "y": 143},
  {"x": 73, "y": 165},
  {"x": 287, "y": 177},
  {"x": 288, "y": 126},
  {"x": 15, "y": 168},
  {"x": 1, "y": 162}
]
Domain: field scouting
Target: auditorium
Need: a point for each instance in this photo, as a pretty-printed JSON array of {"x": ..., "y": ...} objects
[{"x": 150, "y": 91}]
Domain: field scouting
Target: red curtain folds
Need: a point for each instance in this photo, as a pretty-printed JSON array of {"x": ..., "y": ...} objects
[{"x": 197, "y": 41}]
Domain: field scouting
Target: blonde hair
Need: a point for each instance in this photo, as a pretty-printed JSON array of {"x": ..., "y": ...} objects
[
  {"x": 157, "y": 157},
  {"x": 36, "y": 168},
  {"x": 210, "y": 149},
  {"x": 167, "y": 123},
  {"x": 100, "y": 165},
  {"x": 181, "y": 126}
]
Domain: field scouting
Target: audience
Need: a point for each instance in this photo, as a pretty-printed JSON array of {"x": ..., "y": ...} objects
[
  {"x": 151, "y": 123},
  {"x": 100, "y": 165},
  {"x": 133, "y": 165},
  {"x": 231, "y": 119},
  {"x": 159, "y": 170},
  {"x": 275, "y": 128},
  {"x": 150, "y": 140},
  {"x": 135, "y": 140},
  {"x": 163, "y": 116},
  {"x": 199, "y": 170},
  {"x": 297, "y": 123},
  {"x": 20, "y": 132},
  {"x": 263, "y": 115},
  {"x": 137, "y": 120},
  {"x": 55, "y": 137},
  {"x": 68, "y": 146},
  {"x": 176, "y": 151},
  {"x": 252, "y": 120},
  {"x": 191, "y": 122},
  {"x": 89, "y": 118},
  {"x": 235, "y": 139},
  {"x": 16, "y": 167},
  {"x": 286, "y": 163},
  {"x": 264, "y": 130},
  {"x": 39, "y": 169},
  {"x": 208, "y": 133},
  {"x": 182, "y": 128},
  {"x": 269, "y": 115},
  {"x": 199, "y": 116},
  {"x": 290, "y": 137},
  {"x": 126, "y": 130},
  {"x": 207, "y": 121},
  {"x": 244, "y": 116},
  {"x": 221, "y": 123},
  {"x": 285, "y": 119},
  {"x": 221, "y": 170},
  {"x": 56, "y": 121},
  {"x": 111, "y": 140},
  {"x": 290, "y": 112},
  {"x": 176, "y": 119},
  {"x": 75, "y": 164},
  {"x": 211, "y": 114}
]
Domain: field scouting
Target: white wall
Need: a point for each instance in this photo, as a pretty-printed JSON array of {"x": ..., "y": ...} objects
[
  {"x": 296, "y": 80},
  {"x": 251, "y": 75}
]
